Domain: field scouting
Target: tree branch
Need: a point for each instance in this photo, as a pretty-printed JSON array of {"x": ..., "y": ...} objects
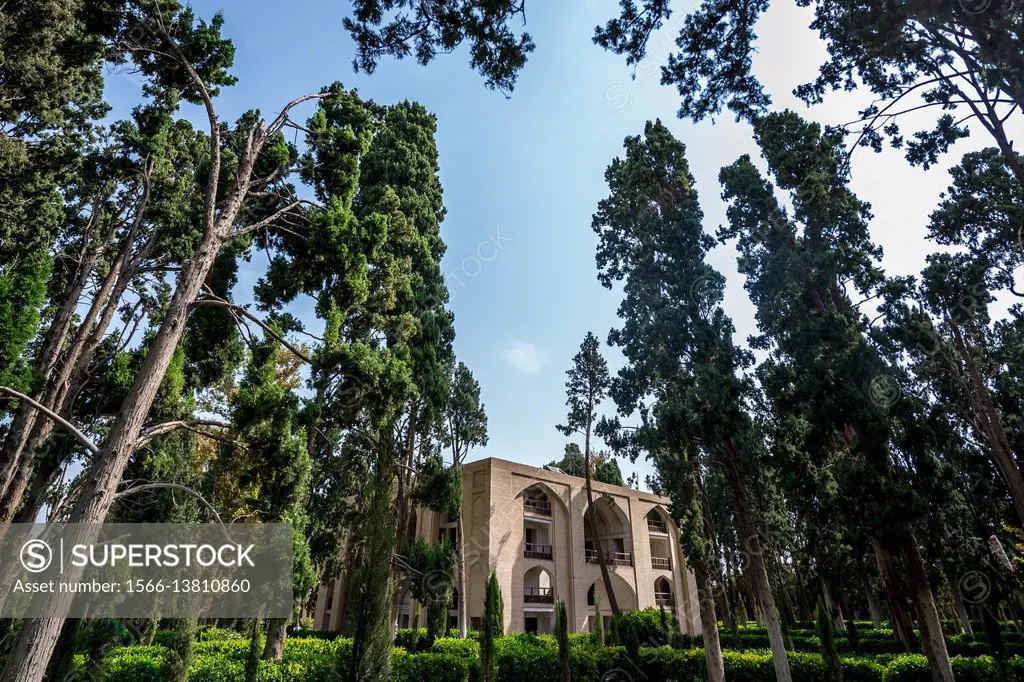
[
  {"x": 173, "y": 486},
  {"x": 81, "y": 437},
  {"x": 239, "y": 310},
  {"x": 191, "y": 425}
]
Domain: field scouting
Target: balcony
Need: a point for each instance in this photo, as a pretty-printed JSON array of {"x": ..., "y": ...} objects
[
  {"x": 538, "y": 595},
  {"x": 542, "y": 507},
  {"x": 663, "y": 599},
  {"x": 611, "y": 558},
  {"x": 534, "y": 551},
  {"x": 655, "y": 526},
  {"x": 661, "y": 563}
]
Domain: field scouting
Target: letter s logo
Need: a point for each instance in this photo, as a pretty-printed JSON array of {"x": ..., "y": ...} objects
[{"x": 36, "y": 556}]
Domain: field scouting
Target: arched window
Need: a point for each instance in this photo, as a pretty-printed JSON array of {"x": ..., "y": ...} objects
[
  {"x": 538, "y": 587},
  {"x": 535, "y": 501},
  {"x": 613, "y": 533},
  {"x": 659, "y": 538},
  {"x": 663, "y": 592}
]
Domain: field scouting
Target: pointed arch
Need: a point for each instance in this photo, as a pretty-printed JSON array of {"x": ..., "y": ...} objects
[{"x": 624, "y": 594}]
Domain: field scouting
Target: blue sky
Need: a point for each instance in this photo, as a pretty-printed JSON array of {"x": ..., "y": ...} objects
[{"x": 522, "y": 177}]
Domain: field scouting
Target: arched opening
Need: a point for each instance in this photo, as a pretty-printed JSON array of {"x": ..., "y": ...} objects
[
  {"x": 658, "y": 536},
  {"x": 448, "y": 527},
  {"x": 538, "y": 601},
  {"x": 536, "y": 501},
  {"x": 537, "y": 540},
  {"x": 624, "y": 597},
  {"x": 612, "y": 533},
  {"x": 538, "y": 587},
  {"x": 663, "y": 592}
]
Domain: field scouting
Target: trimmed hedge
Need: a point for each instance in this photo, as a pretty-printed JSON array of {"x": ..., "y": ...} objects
[{"x": 526, "y": 658}]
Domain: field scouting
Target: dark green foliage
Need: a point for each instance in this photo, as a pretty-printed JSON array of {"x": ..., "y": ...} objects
[
  {"x": 371, "y": 610},
  {"x": 422, "y": 29},
  {"x": 605, "y": 467},
  {"x": 22, "y": 295},
  {"x": 598, "y": 620},
  {"x": 892, "y": 50},
  {"x": 432, "y": 581},
  {"x": 562, "y": 638},
  {"x": 491, "y": 627},
  {"x": 829, "y": 654},
  {"x": 180, "y": 641},
  {"x": 438, "y": 487}
]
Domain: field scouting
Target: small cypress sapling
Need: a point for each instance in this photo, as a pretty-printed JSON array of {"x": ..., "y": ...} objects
[
  {"x": 829, "y": 655},
  {"x": 598, "y": 620},
  {"x": 664, "y": 628},
  {"x": 490, "y": 628},
  {"x": 629, "y": 637},
  {"x": 252, "y": 660},
  {"x": 852, "y": 635},
  {"x": 562, "y": 636},
  {"x": 994, "y": 637}
]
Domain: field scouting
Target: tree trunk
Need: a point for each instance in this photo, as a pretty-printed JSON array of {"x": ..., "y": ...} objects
[
  {"x": 757, "y": 571},
  {"x": 902, "y": 623},
  {"x": 708, "y": 621},
  {"x": 277, "y": 632},
  {"x": 27, "y": 662},
  {"x": 988, "y": 420},
  {"x": 834, "y": 609},
  {"x": 461, "y": 568},
  {"x": 54, "y": 339},
  {"x": 927, "y": 613},
  {"x": 960, "y": 609},
  {"x": 591, "y": 521},
  {"x": 72, "y": 368},
  {"x": 874, "y": 606}
]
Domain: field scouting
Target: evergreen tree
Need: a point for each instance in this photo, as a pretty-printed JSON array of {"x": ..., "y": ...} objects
[
  {"x": 562, "y": 637},
  {"x": 827, "y": 643},
  {"x": 586, "y": 387},
  {"x": 466, "y": 427},
  {"x": 678, "y": 344},
  {"x": 823, "y": 366},
  {"x": 491, "y": 627}
]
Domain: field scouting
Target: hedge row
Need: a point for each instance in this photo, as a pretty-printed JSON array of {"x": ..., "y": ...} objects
[{"x": 525, "y": 658}]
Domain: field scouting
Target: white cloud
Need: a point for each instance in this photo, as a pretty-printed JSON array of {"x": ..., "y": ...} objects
[{"x": 524, "y": 356}]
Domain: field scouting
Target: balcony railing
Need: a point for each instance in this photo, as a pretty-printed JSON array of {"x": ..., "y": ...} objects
[
  {"x": 661, "y": 563},
  {"x": 611, "y": 558},
  {"x": 538, "y": 595},
  {"x": 663, "y": 599},
  {"x": 656, "y": 526},
  {"x": 532, "y": 550},
  {"x": 542, "y": 507}
]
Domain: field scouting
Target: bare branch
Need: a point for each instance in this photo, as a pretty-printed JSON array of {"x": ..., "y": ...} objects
[
  {"x": 172, "y": 486},
  {"x": 239, "y": 310},
  {"x": 81, "y": 437},
  {"x": 268, "y": 220},
  {"x": 191, "y": 425}
]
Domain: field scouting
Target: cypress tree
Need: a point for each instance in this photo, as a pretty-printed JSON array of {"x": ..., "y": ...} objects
[
  {"x": 562, "y": 636},
  {"x": 598, "y": 620},
  {"x": 491, "y": 628},
  {"x": 827, "y": 642}
]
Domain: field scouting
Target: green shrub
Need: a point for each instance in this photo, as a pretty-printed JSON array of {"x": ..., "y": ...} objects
[
  {"x": 304, "y": 633},
  {"x": 215, "y": 668},
  {"x": 428, "y": 667},
  {"x": 649, "y": 626},
  {"x": 136, "y": 664},
  {"x": 914, "y": 668},
  {"x": 212, "y": 634}
]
